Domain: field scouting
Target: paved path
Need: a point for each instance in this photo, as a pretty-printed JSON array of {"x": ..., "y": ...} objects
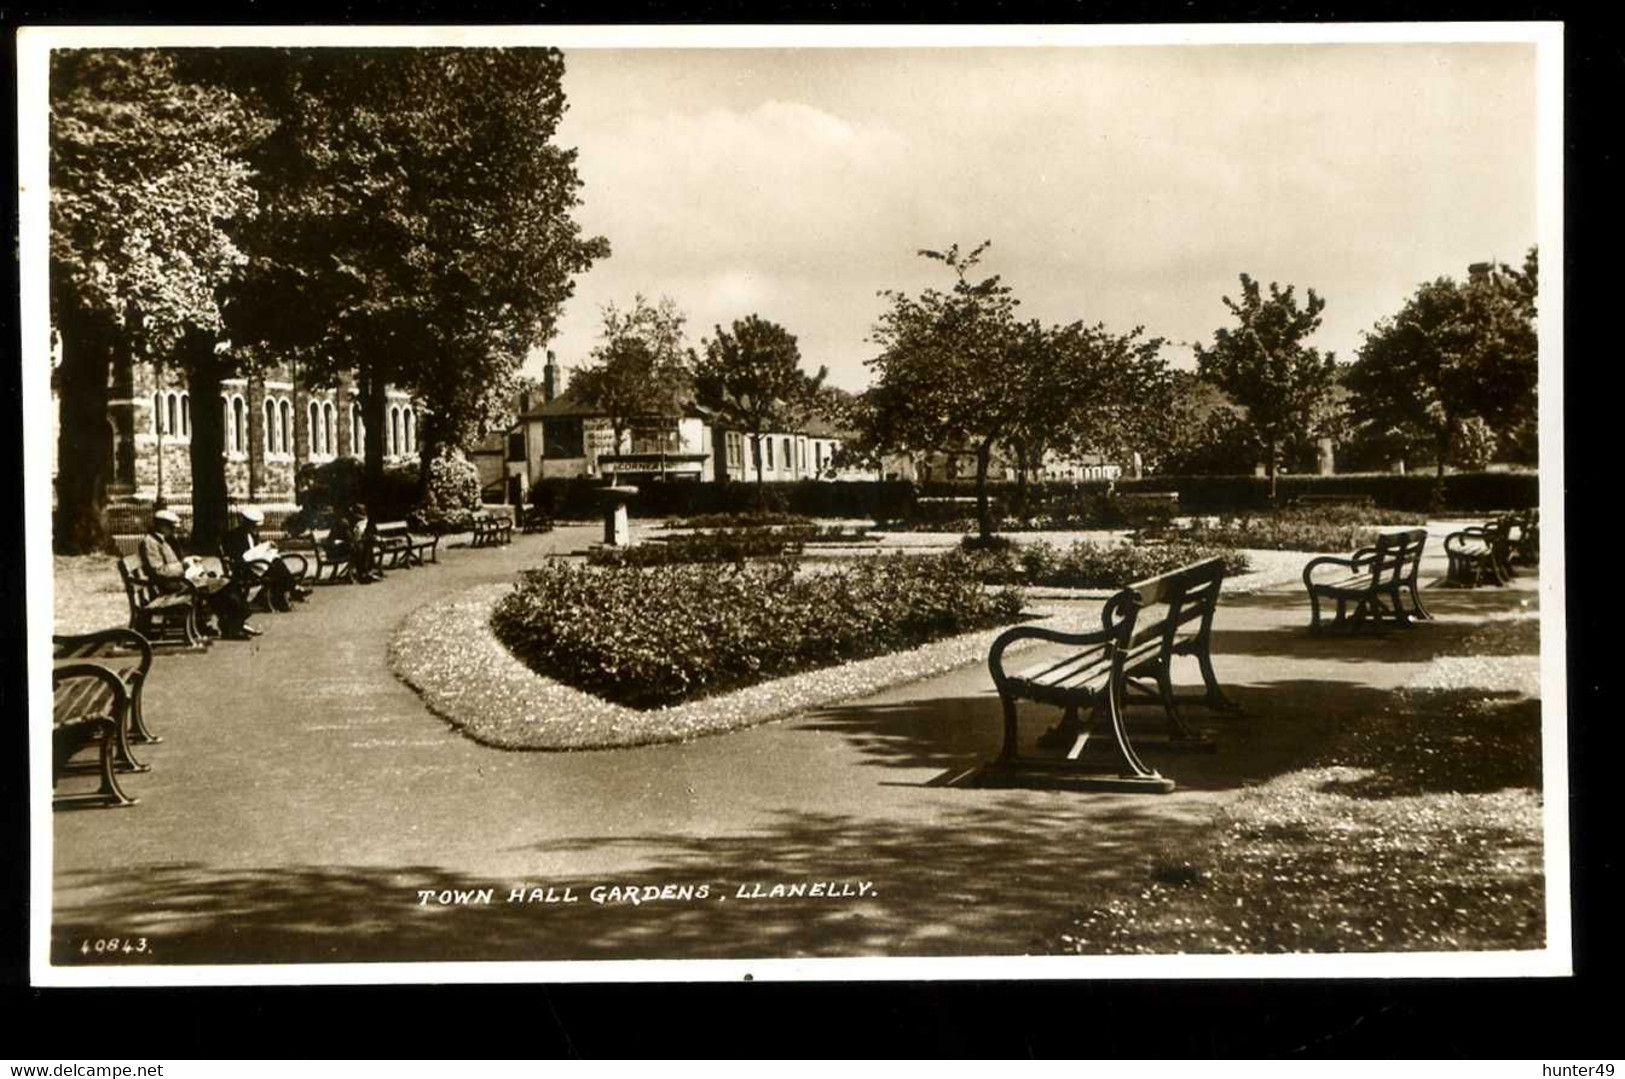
[{"x": 303, "y": 798}]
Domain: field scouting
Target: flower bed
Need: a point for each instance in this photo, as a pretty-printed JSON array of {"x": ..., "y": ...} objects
[
  {"x": 1086, "y": 564},
  {"x": 740, "y": 520},
  {"x": 699, "y": 548},
  {"x": 1322, "y": 529},
  {"x": 654, "y": 637}
]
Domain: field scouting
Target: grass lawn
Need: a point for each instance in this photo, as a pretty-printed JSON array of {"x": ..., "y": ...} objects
[
  {"x": 87, "y": 594},
  {"x": 1417, "y": 829}
]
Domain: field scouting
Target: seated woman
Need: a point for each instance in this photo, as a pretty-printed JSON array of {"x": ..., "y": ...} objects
[{"x": 250, "y": 558}]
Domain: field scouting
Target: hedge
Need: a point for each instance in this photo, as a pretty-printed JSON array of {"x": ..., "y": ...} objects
[
  {"x": 1090, "y": 565},
  {"x": 575, "y": 498},
  {"x": 653, "y": 637}
]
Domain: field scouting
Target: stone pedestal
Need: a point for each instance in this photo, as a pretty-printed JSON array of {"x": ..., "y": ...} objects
[{"x": 617, "y": 532}]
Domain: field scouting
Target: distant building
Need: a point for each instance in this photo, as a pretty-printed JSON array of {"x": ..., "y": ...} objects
[{"x": 561, "y": 437}]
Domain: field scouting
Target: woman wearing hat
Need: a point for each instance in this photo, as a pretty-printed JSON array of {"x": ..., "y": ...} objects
[
  {"x": 251, "y": 559},
  {"x": 166, "y": 569}
]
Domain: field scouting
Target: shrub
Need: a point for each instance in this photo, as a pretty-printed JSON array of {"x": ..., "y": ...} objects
[
  {"x": 712, "y": 547},
  {"x": 452, "y": 495},
  {"x": 652, "y": 637},
  {"x": 1321, "y": 528},
  {"x": 1086, "y": 564},
  {"x": 741, "y": 520},
  {"x": 333, "y": 486},
  {"x": 573, "y": 499}
]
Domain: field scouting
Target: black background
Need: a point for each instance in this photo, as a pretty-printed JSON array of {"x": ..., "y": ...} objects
[{"x": 1557, "y": 1020}]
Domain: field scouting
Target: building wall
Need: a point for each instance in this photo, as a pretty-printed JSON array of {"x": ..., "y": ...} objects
[{"x": 273, "y": 426}]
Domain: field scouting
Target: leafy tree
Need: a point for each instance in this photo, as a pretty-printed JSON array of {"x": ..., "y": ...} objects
[
  {"x": 751, "y": 377},
  {"x": 949, "y": 369},
  {"x": 641, "y": 368},
  {"x": 420, "y": 231},
  {"x": 1264, "y": 366},
  {"x": 1454, "y": 352},
  {"x": 146, "y": 179}
]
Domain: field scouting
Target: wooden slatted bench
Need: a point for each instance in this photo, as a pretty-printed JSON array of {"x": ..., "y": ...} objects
[
  {"x": 1524, "y": 541},
  {"x": 491, "y": 530},
  {"x": 1143, "y": 628},
  {"x": 1387, "y": 571},
  {"x": 408, "y": 548},
  {"x": 90, "y": 706},
  {"x": 1482, "y": 554},
  {"x": 124, "y": 652},
  {"x": 536, "y": 519},
  {"x": 391, "y": 545},
  {"x": 332, "y": 559},
  {"x": 162, "y": 617}
]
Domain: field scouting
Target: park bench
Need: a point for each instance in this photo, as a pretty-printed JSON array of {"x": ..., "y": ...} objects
[
  {"x": 1366, "y": 578},
  {"x": 124, "y": 652},
  {"x": 490, "y": 530},
  {"x": 1144, "y": 627},
  {"x": 1482, "y": 554},
  {"x": 536, "y": 519},
  {"x": 1524, "y": 542},
  {"x": 162, "y": 617},
  {"x": 416, "y": 544},
  {"x": 90, "y": 706},
  {"x": 332, "y": 557},
  {"x": 392, "y": 545}
]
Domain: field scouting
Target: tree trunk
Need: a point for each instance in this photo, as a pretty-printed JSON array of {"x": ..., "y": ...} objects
[
  {"x": 761, "y": 489},
  {"x": 1269, "y": 469},
  {"x": 1021, "y": 480},
  {"x": 429, "y": 439},
  {"x": 84, "y": 441},
  {"x": 375, "y": 416},
  {"x": 984, "y": 517},
  {"x": 207, "y": 452}
]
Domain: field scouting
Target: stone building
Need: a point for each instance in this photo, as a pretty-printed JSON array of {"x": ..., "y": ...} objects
[{"x": 274, "y": 424}]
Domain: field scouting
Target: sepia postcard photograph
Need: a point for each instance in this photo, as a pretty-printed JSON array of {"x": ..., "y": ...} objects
[{"x": 794, "y": 503}]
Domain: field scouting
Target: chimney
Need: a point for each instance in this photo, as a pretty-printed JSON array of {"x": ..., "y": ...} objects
[{"x": 550, "y": 379}]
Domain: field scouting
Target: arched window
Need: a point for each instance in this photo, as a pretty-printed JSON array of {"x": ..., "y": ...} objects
[
  {"x": 270, "y": 426},
  {"x": 315, "y": 422},
  {"x": 394, "y": 431},
  {"x": 239, "y": 421},
  {"x": 186, "y": 415},
  {"x": 285, "y": 418},
  {"x": 411, "y": 431},
  {"x": 329, "y": 439},
  {"x": 172, "y": 410},
  {"x": 225, "y": 421},
  {"x": 157, "y": 415},
  {"x": 358, "y": 444}
]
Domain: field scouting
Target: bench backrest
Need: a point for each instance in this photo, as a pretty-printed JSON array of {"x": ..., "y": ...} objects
[
  {"x": 391, "y": 528},
  {"x": 1168, "y": 604},
  {"x": 1396, "y": 556},
  {"x": 137, "y": 588}
]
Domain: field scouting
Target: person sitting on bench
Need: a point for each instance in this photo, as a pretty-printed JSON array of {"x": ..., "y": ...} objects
[
  {"x": 250, "y": 558},
  {"x": 165, "y": 567},
  {"x": 356, "y": 538}
]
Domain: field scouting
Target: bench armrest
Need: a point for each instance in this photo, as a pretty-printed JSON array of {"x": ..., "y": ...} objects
[
  {"x": 995, "y": 656},
  {"x": 1350, "y": 563}
]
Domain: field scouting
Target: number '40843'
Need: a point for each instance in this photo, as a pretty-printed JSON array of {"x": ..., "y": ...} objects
[{"x": 113, "y": 945}]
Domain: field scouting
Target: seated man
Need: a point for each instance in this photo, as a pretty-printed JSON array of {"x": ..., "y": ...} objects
[
  {"x": 166, "y": 568},
  {"x": 250, "y": 558},
  {"x": 353, "y": 539}
]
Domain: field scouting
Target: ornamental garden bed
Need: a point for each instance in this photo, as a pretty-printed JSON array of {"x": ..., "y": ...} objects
[
  {"x": 1319, "y": 528},
  {"x": 1088, "y": 564},
  {"x": 659, "y": 636}
]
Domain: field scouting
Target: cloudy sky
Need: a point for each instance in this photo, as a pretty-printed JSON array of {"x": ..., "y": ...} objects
[{"x": 1126, "y": 185}]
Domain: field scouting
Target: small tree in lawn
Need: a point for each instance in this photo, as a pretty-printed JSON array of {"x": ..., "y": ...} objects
[
  {"x": 751, "y": 377},
  {"x": 949, "y": 369},
  {"x": 1264, "y": 365},
  {"x": 1454, "y": 353},
  {"x": 640, "y": 369}
]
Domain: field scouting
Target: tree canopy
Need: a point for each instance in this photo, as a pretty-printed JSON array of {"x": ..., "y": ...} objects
[
  {"x": 751, "y": 377},
  {"x": 1263, "y": 364},
  {"x": 641, "y": 367},
  {"x": 1457, "y": 352}
]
